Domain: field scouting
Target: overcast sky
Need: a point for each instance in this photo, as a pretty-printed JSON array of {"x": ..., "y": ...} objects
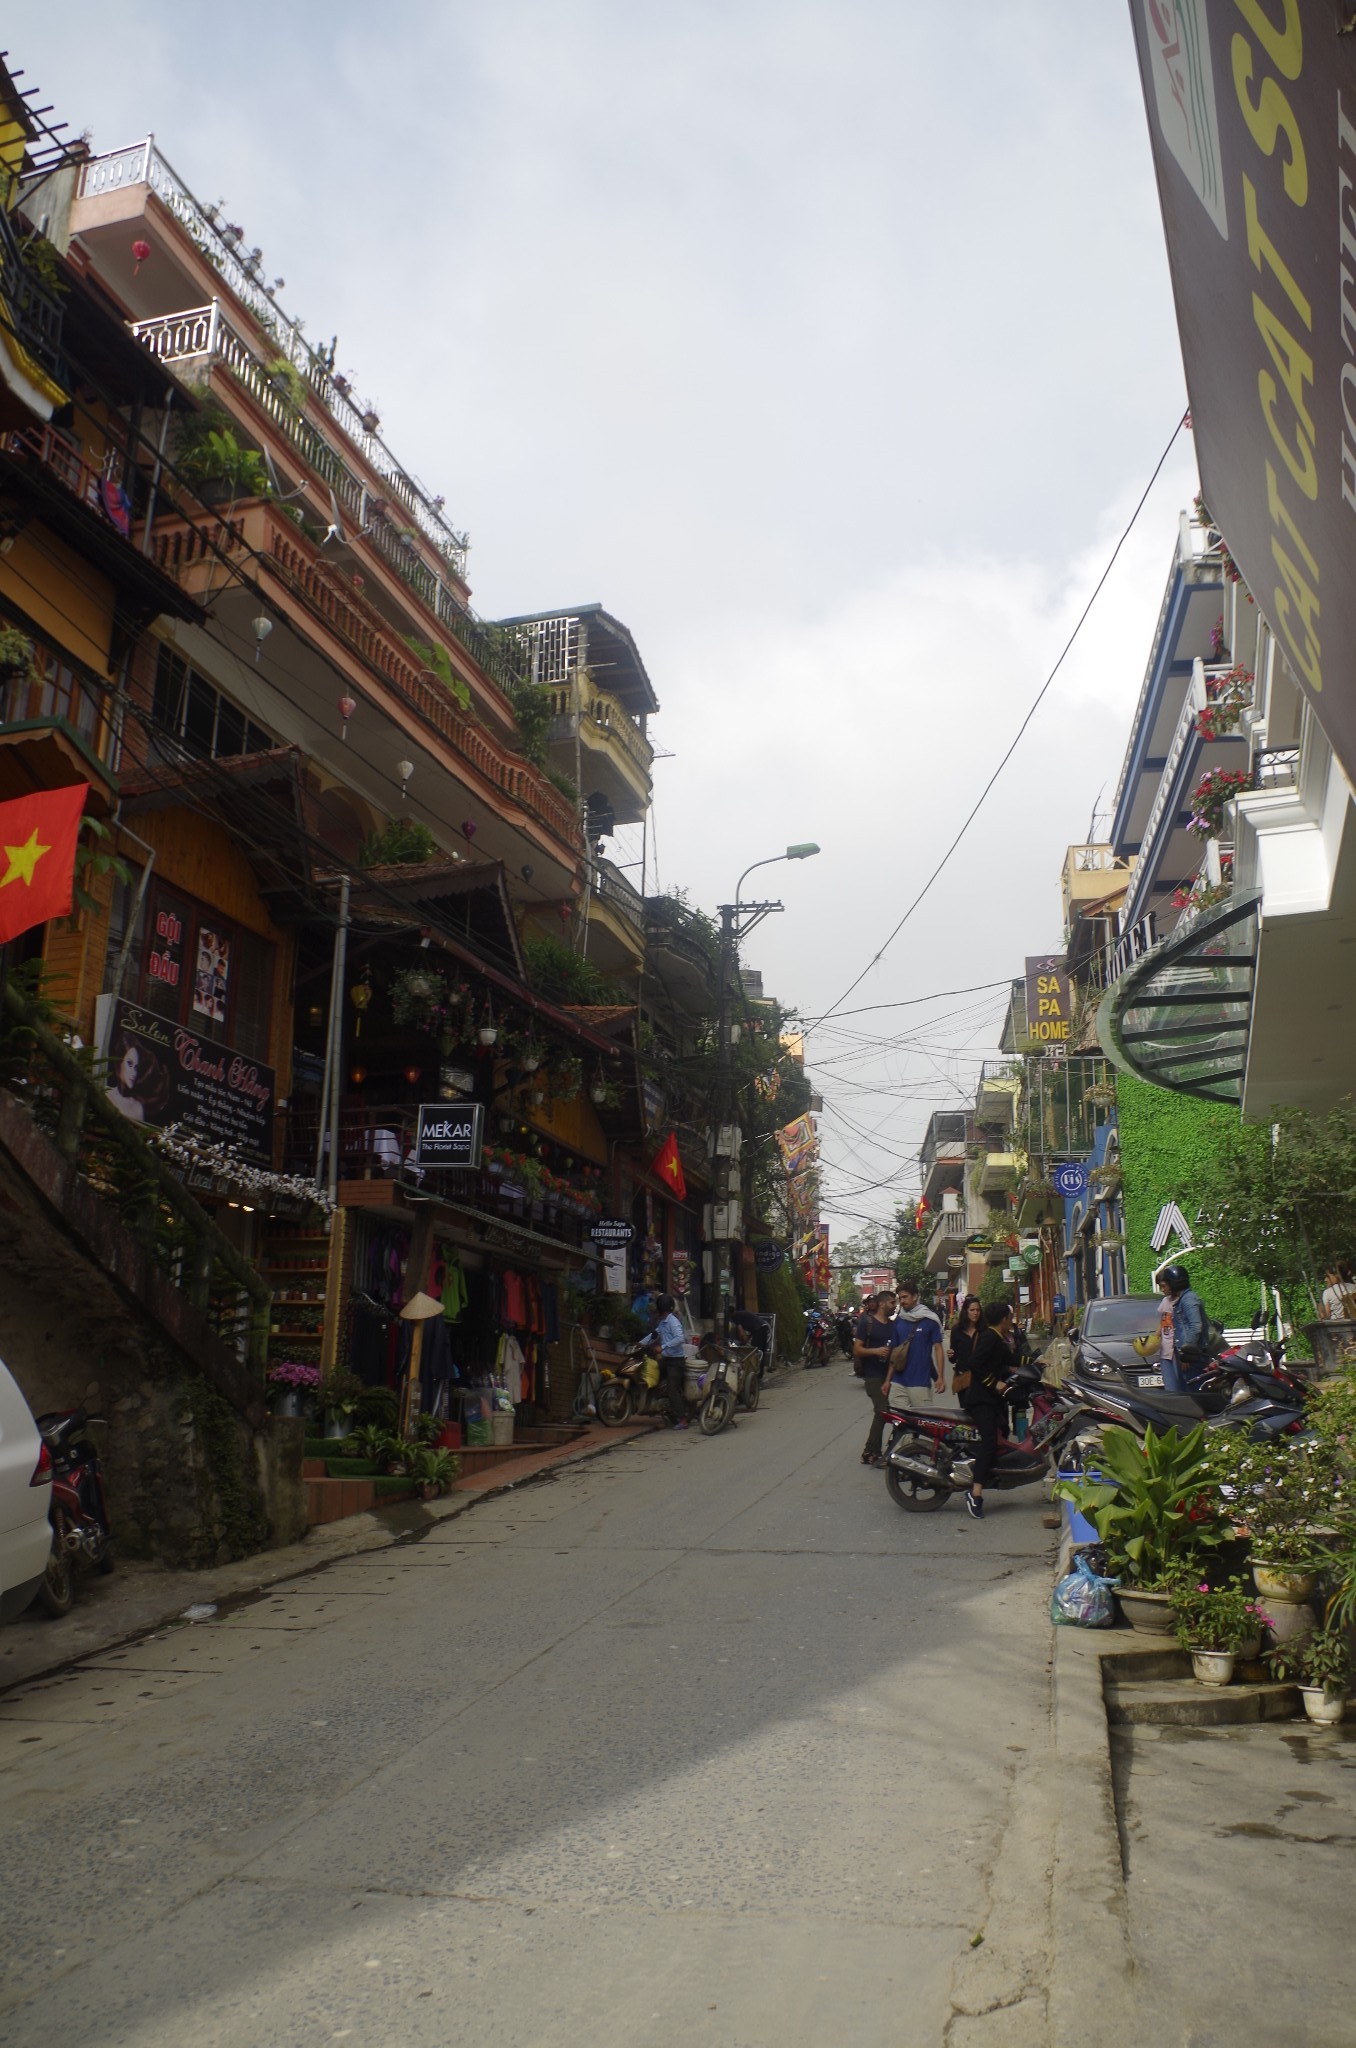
[{"x": 828, "y": 345}]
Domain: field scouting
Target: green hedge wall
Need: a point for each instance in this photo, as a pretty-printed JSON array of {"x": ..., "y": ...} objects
[
  {"x": 1166, "y": 1142},
  {"x": 778, "y": 1295}
]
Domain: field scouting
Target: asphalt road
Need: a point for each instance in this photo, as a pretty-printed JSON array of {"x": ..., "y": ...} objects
[{"x": 701, "y": 1742}]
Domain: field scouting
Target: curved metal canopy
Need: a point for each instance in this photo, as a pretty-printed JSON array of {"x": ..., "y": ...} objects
[{"x": 1179, "y": 1017}]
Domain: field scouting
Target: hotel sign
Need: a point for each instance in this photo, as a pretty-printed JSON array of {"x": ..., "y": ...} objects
[
  {"x": 1252, "y": 120},
  {"x": 1049, "y": 1001}
]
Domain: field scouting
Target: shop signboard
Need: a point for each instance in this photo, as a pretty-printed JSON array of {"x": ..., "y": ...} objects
[
  {"x": 449, "y": 1133},
  {"x": 768, "y": 1257},
  {"x": 1049, "y": 1001},
  {"x": 160, "y": 1073},
  {"x": 612, "y": 1230},
  {"x": 1070, "y": 1179},
  {"x": 1252, "y": 121}
]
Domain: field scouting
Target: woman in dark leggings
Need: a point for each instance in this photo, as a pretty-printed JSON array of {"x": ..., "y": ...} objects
[{"x": 984, "y": 1399}]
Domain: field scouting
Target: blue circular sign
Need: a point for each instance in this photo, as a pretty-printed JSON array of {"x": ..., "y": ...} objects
[{"x": 1071, "y": 1178}]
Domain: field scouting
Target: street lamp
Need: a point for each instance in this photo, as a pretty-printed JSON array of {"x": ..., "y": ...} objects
[{"x": 802, "y": 851}]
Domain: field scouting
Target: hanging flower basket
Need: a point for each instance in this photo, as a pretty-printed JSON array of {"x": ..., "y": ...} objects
[
  {"x": 1211, "y": 800},
  {"x": 1229, "y": 696}
]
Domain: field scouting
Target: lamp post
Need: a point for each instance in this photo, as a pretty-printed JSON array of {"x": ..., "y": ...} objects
[{"x": 736, "y": 919}]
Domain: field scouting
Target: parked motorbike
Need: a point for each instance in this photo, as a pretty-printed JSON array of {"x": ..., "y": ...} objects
[
  {"x": 745, "y": 1364},
  {"x": 929, "y": 1455},
  {"x": 637, "y": 1387},
  {"x": 819, "y": 1334},
  {"x": 81, "y": 1536},
  {"x": 845, "y": 1328},
  {"x": 1232, "y": 1394}
]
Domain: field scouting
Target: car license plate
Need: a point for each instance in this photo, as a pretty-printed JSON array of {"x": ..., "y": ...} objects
[{"x": 1149, "y": 1379}]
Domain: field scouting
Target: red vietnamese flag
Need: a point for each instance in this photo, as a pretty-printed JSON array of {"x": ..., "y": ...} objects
[
  {"x": 37, "y": 842},
  {"x": 668, "y": 1167}
]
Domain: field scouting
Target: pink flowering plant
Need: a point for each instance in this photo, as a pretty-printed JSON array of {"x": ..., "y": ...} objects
[
  {"x": 1228, "y": 697},
  {"x": 1211, "y": 799},
  {"x": 1210, "y": 1617},
  {"x": 293, "y": 1376}
]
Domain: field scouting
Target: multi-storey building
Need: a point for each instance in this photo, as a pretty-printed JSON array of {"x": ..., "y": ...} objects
[{"x": 1240, "y": 986}]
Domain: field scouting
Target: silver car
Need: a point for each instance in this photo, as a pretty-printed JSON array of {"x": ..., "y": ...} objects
[{"x": 25, "y": 1497}]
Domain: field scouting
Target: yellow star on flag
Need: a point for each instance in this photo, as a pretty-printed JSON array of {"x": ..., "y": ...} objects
[{"x": 23, "y": 860}]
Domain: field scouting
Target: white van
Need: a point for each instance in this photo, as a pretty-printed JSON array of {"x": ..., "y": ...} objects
[{"x": 25, "y": 1497}]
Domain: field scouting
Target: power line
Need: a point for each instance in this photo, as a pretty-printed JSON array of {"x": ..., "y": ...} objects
[{"x": 1016, "y": 740}]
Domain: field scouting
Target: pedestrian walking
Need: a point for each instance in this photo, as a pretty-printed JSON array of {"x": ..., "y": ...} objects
[
  {"x": 983, "y": 1399},
  {"x": 673, "y": 1357},
  {"x": 871, "y": 1348},
  {"x": 916, "y": 1360}
]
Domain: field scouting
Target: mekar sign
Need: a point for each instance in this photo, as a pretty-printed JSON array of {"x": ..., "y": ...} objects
[
  {"x": 449, "y": 1134},
  {"x": 1252, "y": 118}
]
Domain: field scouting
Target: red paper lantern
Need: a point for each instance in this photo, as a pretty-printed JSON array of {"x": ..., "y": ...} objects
[
  {"x": 357, "y": 1075},
  {"x": 140, "y": 250},
  {"x": 412, "y": 1074},
  {"x": 347, "y": 707},
  {"x": 468, "y": 830}
]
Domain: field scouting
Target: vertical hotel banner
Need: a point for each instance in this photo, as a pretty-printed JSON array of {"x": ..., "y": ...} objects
[
  {"x": 1049, "y": 1002},
  {"x": 1252, "y": 120}
]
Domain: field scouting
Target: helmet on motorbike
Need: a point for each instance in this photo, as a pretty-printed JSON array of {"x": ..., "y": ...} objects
[{"x": 1175, "y": 1277}]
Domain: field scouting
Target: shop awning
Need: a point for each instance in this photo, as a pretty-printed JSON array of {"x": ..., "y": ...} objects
[{"x": 1180, "y": 1016}]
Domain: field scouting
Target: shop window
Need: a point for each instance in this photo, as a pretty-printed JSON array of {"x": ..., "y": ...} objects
[{"x": 206, "y": 724}]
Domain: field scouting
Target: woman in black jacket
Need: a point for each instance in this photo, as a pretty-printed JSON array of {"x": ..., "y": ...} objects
[
  {"x": 984, "y": 1399},
  {"x": 965, "y": 1333}
]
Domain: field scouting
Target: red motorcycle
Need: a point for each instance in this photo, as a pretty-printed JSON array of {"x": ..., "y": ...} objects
[
  {"x": 930, "y": 1455},
  {"x": 81, "y": 1536}
]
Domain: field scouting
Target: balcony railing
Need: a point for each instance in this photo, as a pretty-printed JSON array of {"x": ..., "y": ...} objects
[
  {"x": 54, "y": 452},
  {"x": 598, "y": 708},
  {"x": 377, "y": 1143},
  {"x": 1275, "y": 768},
  {"x": 35, "y": 314},
  {"x": 613, "y": 887},
  {"x": 1165, "y": 804},
  {"x": 204, "y": 334},
  {"x": 184, "y": 550},
  {"x": 143, "y": 164}
]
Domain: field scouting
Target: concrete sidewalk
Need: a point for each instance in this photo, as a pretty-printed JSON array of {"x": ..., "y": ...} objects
[{"x": 139, "y": 1596}]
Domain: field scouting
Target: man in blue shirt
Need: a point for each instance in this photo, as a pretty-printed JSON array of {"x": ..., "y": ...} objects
[
  {"x": 668, "y": 1334},
  {"x": 916, "y": 1360}
]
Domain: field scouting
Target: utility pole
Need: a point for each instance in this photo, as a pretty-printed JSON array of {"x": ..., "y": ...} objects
[{"x": 736, "y": 919}]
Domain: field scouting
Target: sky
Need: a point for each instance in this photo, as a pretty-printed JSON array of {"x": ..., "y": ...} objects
[{"x": 829, "y": 345}]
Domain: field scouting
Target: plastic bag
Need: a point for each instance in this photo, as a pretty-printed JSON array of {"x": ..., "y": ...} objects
[{"x": 1083, "y": 1600}]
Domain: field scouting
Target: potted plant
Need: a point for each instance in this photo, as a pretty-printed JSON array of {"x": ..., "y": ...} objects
[
  {"x": 1153, "y": 1507},
  {"x": 18, "y": 661},
  {"x": 292, "y": 1383},
  {"x": 1215, "y": 1625},
  {"x": 433, "y": 1471},
  {"x": 1321, "y": 1665},
  {"x": 340, "y": 1394},
  {"x": 1280, "y": 1493}
]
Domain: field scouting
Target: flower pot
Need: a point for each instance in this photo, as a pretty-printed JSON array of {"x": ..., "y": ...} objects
[
  {"x": 1282, "y": 1582},
  {"x": 1149, "y": 1613},
  {"x": 1324, "y": 1703},
  {"x": 487, "y": 1034},
  {"x": 1290, "y": 1621},
  {"x": 290, "y": 1402},
  {"x": 1248, "y": 1652},
  {"x": 1212, "y": 1667}
]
